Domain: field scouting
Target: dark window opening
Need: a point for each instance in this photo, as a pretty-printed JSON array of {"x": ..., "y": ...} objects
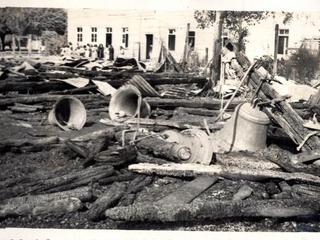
[
  {"x": 149, "y": 45},
  {"x": 108, "y": 39},
  {"x": 172, "y": 40},
  {"x": 283, "y": 44}
]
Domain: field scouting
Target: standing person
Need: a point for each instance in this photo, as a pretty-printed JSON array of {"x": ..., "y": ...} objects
[
  {"x": 100, "y": 51},
  {"x": 111, "y": 53},
  {"x": 122, "y": 52},
  {"x": 95, "y": 52},
  {"x": 86, "y": 51},
  {"x": 90, "y": 50}
]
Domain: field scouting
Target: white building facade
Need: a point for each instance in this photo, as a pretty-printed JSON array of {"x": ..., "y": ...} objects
[
  {"x": 142, "y": 32},
  {"x": 139, "y": 32},
  {"x": 302, "y": 26}
]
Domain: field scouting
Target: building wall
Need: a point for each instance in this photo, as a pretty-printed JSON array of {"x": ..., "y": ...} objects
[
  {"x": 261, "y": 36},
  {"x": 259, "y": 42},
  {"x": 139, "y": 24}
]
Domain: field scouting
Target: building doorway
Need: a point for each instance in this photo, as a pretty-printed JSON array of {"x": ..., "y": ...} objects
[
  {"x": 108, "y": 39},
  {"x": 149, "y": 45}
]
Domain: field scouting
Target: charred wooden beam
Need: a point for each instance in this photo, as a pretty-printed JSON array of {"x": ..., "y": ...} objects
[
  {"x": 39, "y": 142},
  {"x": 58, "y": 183},
  {"x": 181, "y": 125},
  {"x": 192, "y": 170},
  {"x": 55, "y": 207},
  {"x": 107, "y": 200},
  {"x": 45, "y": 203},
  {"x": 46, "y": 98},
  {"x": 211, "y": 210},
  {"x": 213, "y": 104}
]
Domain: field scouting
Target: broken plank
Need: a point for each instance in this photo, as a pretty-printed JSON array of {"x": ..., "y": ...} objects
[
  {"x": 192, "y": 170},
  {"x": 188, "y": 192}
]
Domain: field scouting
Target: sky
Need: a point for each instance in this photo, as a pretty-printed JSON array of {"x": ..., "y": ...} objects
[{"x": 280, "y": 5}]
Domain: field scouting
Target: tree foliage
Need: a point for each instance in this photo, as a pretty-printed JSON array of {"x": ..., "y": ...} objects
[
  {"x": 237, "y": 22},
  {"x": 24, "y": 21}
]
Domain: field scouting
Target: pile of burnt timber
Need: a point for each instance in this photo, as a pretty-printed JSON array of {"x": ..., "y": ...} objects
[
  {"x": 129, "y": 170},
  {"x": 282, "y": 112}
]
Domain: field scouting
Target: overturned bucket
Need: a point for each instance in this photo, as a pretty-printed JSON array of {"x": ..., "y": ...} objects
[
  {"x": 127, "y": 102},
  {"x": 68, "y": 113}
]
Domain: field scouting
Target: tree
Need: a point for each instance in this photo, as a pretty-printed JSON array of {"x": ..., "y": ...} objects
[
  {"x": 237, "y": 22},
  {"x": 23, "y": 21}
]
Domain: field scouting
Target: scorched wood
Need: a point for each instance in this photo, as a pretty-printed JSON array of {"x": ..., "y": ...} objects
[
  {"x": 213, "y": 104},
  {"x": 211, "y": 210},
  {"x": 192, "y": 170}
]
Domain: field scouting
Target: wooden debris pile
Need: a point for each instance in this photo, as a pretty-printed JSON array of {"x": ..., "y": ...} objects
[{"x": 111, "y": 170}]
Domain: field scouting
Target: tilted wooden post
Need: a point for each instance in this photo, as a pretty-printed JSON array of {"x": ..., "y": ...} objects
[
  {"x": 186, "y": 46},
  {"x": 276, "y": 47},
  {"x": 215, "y": 74}
]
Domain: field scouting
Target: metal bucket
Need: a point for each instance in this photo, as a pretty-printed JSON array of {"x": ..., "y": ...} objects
[
  {"x": 246, "y": 130},
  {"x": 68, "y": 113},
  {"x": 124, "y": 103}
]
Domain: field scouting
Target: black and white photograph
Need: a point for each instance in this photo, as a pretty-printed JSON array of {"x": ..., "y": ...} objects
[{"x": 195, "y": 119}]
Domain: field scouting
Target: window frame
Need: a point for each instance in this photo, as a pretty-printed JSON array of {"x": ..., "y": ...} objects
[
  {"x": 283, "y": 34},
  {"x": 79, "y": 34},
  {"x": 94, "y": 35}
]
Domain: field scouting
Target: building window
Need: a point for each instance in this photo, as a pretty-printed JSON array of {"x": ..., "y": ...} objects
[
  {"x": 79, "y": 34},
  {"x": 109, "y": 30},
  {"x": 125, "y": 37},
  {"x": 172, "y": 39},
  {"x": 283, "y": 41},
  {"x": 191, "y": 39},
  {"x": 93, "y": 34}
]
